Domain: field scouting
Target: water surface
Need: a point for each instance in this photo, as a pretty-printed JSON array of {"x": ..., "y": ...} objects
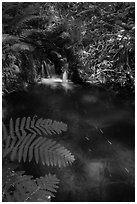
[{"x": 101, "y": 134}]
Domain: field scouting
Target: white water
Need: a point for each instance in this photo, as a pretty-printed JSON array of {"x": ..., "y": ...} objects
[
  {"x": 65, "y": 77},
  {"x": 54, "y": 82}
]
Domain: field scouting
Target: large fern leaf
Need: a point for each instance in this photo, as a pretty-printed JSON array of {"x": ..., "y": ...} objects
[
  {"x": 23, "y": 143},
  {"x": 39, "y": 126},
  {"x": 41, "y": 149},
  {"x": 18, "y": 187}
]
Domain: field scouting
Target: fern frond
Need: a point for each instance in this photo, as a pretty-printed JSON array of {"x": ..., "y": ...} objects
[
  {"x": 48, "y": 183},
  {"x": 23, "y": 142},
  {"x": 18, "y": 187},
  {"x": 42, "y": 149},
  {"x": 34, "y": 126},
  {"x": 39, "y": 126}
]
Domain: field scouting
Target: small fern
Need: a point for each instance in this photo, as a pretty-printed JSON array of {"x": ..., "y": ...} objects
[
  {"x": 23, "y": 142},
  {"x": 18, "y": 187}
]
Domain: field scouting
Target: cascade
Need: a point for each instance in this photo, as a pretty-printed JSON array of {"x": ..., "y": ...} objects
[
  {"x": 65, "y": 77},
  {"x": 54, "y": 82}
]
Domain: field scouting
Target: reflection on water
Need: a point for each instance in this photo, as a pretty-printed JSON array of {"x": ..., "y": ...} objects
[{"x": 100, "y": 135}]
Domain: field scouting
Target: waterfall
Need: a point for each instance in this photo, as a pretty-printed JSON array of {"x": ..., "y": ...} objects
[
  {"x": 65, "y": 77},
  {"x": 54, "y": 82}
]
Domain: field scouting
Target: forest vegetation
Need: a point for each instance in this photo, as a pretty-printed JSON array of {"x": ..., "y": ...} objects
[{"x": 94, "y": 40}]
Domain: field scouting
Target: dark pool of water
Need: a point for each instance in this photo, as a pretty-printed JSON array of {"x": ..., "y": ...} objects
[{"x": 101, "y": 135}]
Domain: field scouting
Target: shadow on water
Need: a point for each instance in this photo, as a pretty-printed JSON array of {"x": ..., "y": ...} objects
[{"x": 101, "y": 134}]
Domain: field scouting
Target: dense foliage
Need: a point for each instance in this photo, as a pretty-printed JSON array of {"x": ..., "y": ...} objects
[{"x": 94, "y": 41}]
